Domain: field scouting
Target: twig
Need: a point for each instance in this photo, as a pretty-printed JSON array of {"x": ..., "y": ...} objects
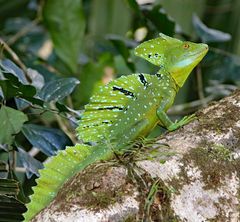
[
  {"x": 223, "y": 8},
  {"x": 200, "y": 86},
  {"x": 14, "y": 159},
  {"x": 23, "y": 31},
  {"x": 28, "y": 27},
  {"x": 15, "y": 58},
  {"x": 69, "y": 102},
  {"x": 177, "y": 109},
  {"x": 220, "y": 51},
  {"x": 20, "y": 169},
  {"x": 63, "y": 126},
  {"x": 33, "y": 151},
  {"x": 56, "y": 111}
]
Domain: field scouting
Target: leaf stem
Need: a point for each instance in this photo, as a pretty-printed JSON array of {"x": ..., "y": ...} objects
[{"x": 63, "y": 125}]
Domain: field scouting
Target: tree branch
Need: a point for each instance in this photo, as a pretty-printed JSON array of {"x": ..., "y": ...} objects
[{"x": 196, "y": 179}]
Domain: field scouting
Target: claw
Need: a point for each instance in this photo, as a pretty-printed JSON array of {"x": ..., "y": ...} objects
[{"x": 185, "y": 120}]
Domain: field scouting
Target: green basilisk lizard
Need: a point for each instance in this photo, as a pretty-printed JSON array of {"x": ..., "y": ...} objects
[{"x": 122, "y": 111}]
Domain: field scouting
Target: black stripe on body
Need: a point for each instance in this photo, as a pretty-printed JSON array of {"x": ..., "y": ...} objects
[
  {"x": 107, "y": 122},
  {"x": 124, "y": 91},
  {"x": 95, "y": 125},
  {"x": 111, "y": 108},
  {"x": 160, "y": 76},
  {"x": 143, "y": 80}
]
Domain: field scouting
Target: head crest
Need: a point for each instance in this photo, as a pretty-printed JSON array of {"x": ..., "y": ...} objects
[
  {"x": 155, "y": 49},
  {"x": 175, "y": 56}
]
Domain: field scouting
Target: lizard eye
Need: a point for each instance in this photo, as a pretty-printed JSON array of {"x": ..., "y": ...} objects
[{"x": 186, "y": 46}]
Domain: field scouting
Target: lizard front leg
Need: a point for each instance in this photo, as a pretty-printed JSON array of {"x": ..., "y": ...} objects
[{"x": 167, "y": 123}]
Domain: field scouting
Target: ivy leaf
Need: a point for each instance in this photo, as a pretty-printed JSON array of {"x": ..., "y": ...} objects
[
  {"x": 11, "y": 123},
  {"x": 56, "y": 90},
  {"x": 48, "y": 140},
  {"x": 66, "y": 23}
]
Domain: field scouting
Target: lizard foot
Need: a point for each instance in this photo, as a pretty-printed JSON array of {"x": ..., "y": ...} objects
[{"x": 185, "y": 120}]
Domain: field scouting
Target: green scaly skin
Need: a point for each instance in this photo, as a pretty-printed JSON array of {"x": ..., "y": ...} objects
[{"x": 122, "y": 111}]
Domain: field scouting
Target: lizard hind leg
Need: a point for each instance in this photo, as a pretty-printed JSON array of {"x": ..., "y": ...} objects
[{"x": 126, "y": 142}]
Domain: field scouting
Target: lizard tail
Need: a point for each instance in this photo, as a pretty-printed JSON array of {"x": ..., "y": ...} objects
[{"x": 58, "y": 170}]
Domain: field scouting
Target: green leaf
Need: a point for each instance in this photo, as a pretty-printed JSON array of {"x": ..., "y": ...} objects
[
  {"x": 182, "y": 11},
  {"x": 163, "y": 23},
  {"x": 222, "y": 68},
  {"x": 12, "y": 8},
  {"x": 36, "y": 78},
  {"x": 48, "y": 140},
  {"x": 66, "y": 23},
  {"x": 3, "y": 167},
  {"x": 91, "y": 76},
  {"x": 120, "y": 46},
  {"x": 31, "y": 164},
  {"x": 20, "y": 194},
  {"x": 11, "y": 210},
  {"x": 8, "y": 66},
  {"x": 11, "y": 87},
  {"x": 11, "y": 121},
  {"x": 108, "y": 16},
  {"x": 134, "y": 5},
  {"x": 208, "y": 35},
  {"x": 9, "y": 187},
  {"x": 13, "y": 82},
  {"x": 56, "y": 90}
]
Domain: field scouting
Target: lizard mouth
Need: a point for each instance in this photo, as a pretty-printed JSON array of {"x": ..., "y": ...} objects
[
  {"x": 202, "y": 52},
  {"x": 193, "y": 58}
]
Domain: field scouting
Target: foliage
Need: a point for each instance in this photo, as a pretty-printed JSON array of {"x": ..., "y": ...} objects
[{"x": 54, "y": 54}]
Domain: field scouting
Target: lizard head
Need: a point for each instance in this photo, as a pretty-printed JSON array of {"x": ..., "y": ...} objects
[{"x": 174, "y": 56}]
